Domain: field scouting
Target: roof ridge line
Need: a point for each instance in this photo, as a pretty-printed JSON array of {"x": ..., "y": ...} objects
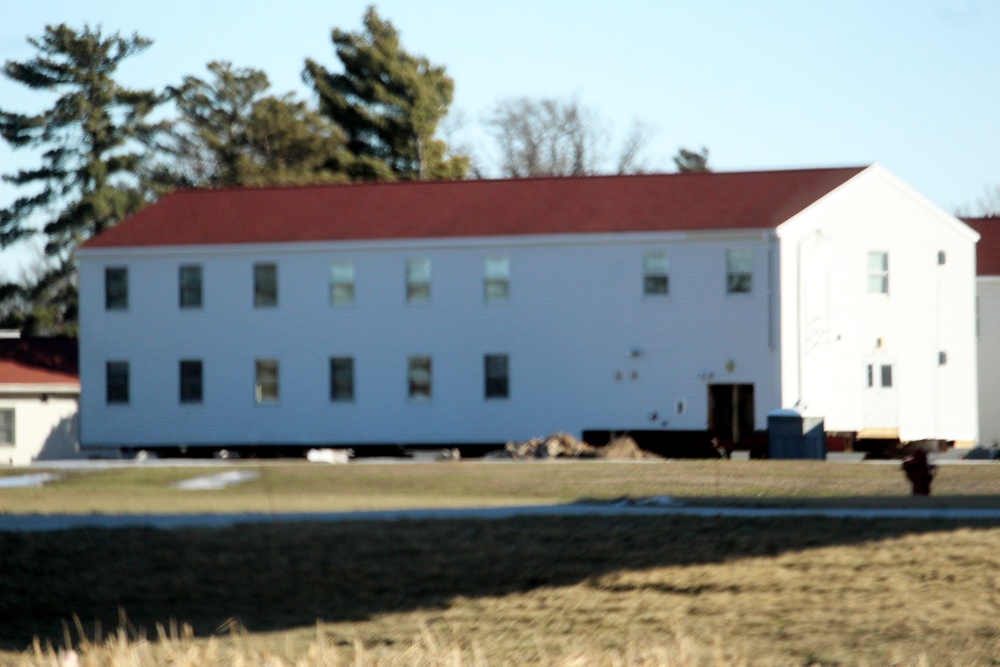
[{"x": 515, "y": 179}]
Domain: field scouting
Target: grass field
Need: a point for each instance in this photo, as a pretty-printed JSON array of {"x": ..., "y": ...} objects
[
  {"x": 611, "y": 591},
  {"x": 299, "y": 487}
]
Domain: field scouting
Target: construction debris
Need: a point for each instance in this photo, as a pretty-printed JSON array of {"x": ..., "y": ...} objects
[{"x": 565, "y": 446}]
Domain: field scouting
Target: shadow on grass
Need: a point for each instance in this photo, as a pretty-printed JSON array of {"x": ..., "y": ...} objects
[
  {"x": 936, "y": 501},
  {"x": 276, "y": 577}
]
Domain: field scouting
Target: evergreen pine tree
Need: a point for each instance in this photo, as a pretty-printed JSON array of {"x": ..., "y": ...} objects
[
  {"x": 389, "y": 103},
  {"x": 90, "y": 138},
  {"x": 89, "y": 161},
  {"x": 231, "y": 133}
]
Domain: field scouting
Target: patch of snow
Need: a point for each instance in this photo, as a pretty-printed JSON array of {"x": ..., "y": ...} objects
[
  {"x": 26, "y": 481},
  {"x": 217, "y": 482}
]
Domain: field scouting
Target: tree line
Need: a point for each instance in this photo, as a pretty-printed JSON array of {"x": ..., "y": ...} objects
[{"x": 105, "y": 155}]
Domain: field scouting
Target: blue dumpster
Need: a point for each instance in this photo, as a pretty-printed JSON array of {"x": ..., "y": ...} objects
[{"x": 793, "y": 435}]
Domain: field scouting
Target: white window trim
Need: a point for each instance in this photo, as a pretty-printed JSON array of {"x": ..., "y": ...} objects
[
  {"x": 353, "y": 283},
  {"x": 501, "y": 277},
  {"x": 750, "y": 292},
  {"x": 128, "y": 385},
  {"x": 430, "y": 379},
  {"x": 128, "y": 300},
  {"x": 277, "y": 293},
  {"x": 201, "y": 287},
  {"x": 486, "y": 377},
  {"x": 13, "y": 426},
  {"x": 257, "y": 394},
  {"x": 408, "y": 282},
  {"x": 354, "y": 384},
  {"x": 883, "y": 273},
  {"x": 647, "y": 274}
]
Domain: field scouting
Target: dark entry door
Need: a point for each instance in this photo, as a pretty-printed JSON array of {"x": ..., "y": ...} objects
[{"x": 730, "y": 412}]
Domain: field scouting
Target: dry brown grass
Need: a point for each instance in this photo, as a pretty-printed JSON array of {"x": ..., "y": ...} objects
[
  {"x": 183, "y": 649},
  {"x": 602, "y": 591}
]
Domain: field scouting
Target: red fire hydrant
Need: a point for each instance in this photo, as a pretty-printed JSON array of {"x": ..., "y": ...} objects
[{"x": 920, "y": 472}]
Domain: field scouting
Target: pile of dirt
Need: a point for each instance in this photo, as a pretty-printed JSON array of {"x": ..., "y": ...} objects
[
  {"x": 565, "y": 446},
  {"x": 624, "y": 448}
]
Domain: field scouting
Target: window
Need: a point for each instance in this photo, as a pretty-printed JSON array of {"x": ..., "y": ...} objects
[
  {"x": 265, "y": 285},
  {"x": 497, "y": 373},
  {"x": 884, "y": 376},
  {"x": 189, "y": 280},
  {"x": 191, "y": 381},
  {"x": 655, "y": 274},
  {"x": 117, "y": 382},
  {"x": 878, "y": 273},
  {"x": 341, "y": 282},
  {"x": 942, "y": 258},
  {"x": 115, "y": 288},
  {"x": 739, "y": 271},
  {"x": 942, "y": 358},
  {"x": 496, "y": 279},
  {"x": 419, "y": 377},
  {"x": 418, "y": 280},
  {"x": 7, "y": 426},
  {"x": 266, "y": 385},
  {"x": 342, "y": 379}
]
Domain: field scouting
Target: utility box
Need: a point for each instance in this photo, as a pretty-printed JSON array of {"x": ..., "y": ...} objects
[{"x": 792, "y": 435}]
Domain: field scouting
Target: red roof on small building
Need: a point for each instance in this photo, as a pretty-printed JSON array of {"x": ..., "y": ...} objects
[
  {"x": 442, "y": 209},
  {"x": 988, "y": 248},
  {"x": 39, "y": 361}
]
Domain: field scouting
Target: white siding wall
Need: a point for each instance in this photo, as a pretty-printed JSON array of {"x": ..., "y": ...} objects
[
  {"x": 988, "y": 292},
  {"x": 930, "y": 308},
  {"x": 42, "y": 428},
  {"x": 576, "y": 310}
]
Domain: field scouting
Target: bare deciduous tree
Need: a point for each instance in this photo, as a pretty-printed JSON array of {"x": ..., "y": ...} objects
[
  {"x": 550, "y": 137},
  {"x": 989, "y": 202},
  {"x": 986, "y": 206}
]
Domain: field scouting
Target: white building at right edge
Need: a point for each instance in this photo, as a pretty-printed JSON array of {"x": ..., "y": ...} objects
[
  {"x": 987, "y": 326},
  {"x": 878, "y": 314}
]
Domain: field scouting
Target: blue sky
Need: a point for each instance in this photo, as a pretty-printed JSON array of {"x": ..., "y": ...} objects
[{"x": 912, "y": 84}]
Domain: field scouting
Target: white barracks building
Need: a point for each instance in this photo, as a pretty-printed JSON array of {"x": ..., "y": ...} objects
[{"x": 478, "y": 312}]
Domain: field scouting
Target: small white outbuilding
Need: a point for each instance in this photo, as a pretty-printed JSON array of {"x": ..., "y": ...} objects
[
  {"x": 478, "y": 312},
  {"x": 39, "y": 394}
]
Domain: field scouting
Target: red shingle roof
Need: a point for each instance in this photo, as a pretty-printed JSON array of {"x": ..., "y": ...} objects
[
  {"x": 988, "y": 248},
  {"x": 39, "y": 361},
  {"x": 436, "y": 209}
]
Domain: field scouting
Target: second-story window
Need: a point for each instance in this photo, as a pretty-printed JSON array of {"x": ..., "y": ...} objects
[
  {"x": 116, "y": 288},
  {"x": 265, "y": 285},
  {"x": 496, "y": 279},
  {"x": 739, "y": 271},
  {"x": 878, "y": 273},
  {"x": 189, "y": 280},
  {"x": 341, "y": 282},
  {"x": 418, "y": 280},
  {"x": 655, "y": 274}
]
